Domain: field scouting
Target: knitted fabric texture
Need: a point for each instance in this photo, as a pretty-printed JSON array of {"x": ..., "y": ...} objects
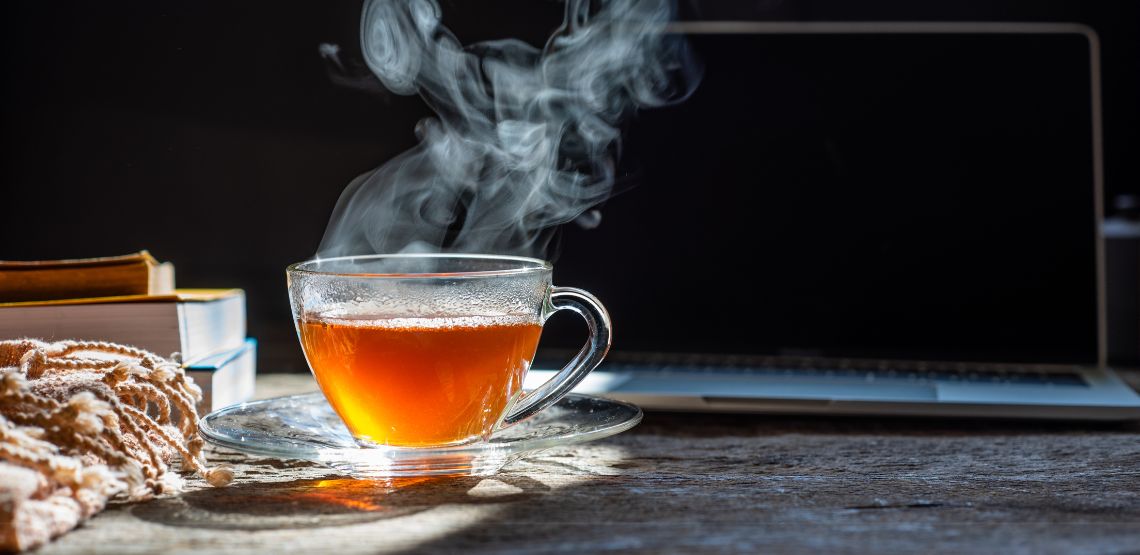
[{"x": 82, "y": 422}]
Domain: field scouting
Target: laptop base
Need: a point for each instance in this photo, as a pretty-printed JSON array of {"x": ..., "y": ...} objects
[{"x": 1100, "y": 395}]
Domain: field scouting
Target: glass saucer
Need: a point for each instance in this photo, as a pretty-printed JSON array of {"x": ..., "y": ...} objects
[{"x": 305, "y": 427}]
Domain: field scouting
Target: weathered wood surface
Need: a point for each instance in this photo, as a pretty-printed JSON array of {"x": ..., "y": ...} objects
[{"x": 683, "y": 483}]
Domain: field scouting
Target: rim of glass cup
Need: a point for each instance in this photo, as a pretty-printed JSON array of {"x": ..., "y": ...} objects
[{"x": 534, "y": 265}]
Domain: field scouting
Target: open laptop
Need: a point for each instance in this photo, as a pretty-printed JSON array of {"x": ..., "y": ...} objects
[{"x": 859, "y": 218}]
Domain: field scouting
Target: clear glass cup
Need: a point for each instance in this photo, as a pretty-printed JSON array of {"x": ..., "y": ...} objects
[{"x": 429, "y": 350}]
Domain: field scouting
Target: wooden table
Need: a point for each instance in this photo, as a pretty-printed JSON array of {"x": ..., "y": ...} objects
[{"x": 683, "y": 483}]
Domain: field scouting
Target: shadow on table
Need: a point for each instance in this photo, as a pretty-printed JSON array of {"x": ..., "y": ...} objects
[{"x": 318, "y": 503}]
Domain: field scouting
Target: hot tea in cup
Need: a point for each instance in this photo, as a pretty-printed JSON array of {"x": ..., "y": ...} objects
[{"x": 432, "y": 350}]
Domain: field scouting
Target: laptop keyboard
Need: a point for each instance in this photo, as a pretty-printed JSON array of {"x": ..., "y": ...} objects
[{"x": 865, "y": 371}]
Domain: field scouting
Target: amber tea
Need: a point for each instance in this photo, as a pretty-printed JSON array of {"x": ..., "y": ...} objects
[{"x": 424, "y": 381}]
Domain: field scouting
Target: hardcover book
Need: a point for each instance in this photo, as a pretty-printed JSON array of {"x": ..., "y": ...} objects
[
  {"x": 132, "y": 274},
  {"x": 191, "y": 322},
  {"x": 226, "y": 378}
]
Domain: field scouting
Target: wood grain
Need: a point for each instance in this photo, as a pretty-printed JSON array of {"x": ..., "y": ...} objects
[{"x": 684, "y": 483}]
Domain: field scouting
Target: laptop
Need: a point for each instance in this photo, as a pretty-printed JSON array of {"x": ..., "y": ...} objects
[{"x": 858, "y": 218}]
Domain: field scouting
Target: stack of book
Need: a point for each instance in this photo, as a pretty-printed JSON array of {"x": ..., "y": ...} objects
[{"x": 132, "y": 300}]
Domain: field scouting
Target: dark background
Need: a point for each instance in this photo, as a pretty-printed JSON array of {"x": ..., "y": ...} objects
[{"x": 212, "y": 134}]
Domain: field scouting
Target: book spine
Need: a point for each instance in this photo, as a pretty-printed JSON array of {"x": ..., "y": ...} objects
[{"x": 34, "y": 284}]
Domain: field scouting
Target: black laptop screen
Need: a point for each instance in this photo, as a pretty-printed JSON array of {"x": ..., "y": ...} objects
[{"x": 863, "y": 195}]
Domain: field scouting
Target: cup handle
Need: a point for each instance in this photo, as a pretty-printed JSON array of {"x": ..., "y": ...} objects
[{"x": 587, "y": 306}]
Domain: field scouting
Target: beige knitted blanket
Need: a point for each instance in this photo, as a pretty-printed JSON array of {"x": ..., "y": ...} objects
[{"x": 82, "y": 422}]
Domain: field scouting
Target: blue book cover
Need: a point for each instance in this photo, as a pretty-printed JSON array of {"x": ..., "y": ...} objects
[{"x": 226, "y": 378}]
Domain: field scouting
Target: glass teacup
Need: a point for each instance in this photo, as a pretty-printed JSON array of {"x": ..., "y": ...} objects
[{"x": 429, "y": 350}]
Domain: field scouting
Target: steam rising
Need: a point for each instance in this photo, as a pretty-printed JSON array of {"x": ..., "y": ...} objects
[{"x": 524, "y": 139}]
